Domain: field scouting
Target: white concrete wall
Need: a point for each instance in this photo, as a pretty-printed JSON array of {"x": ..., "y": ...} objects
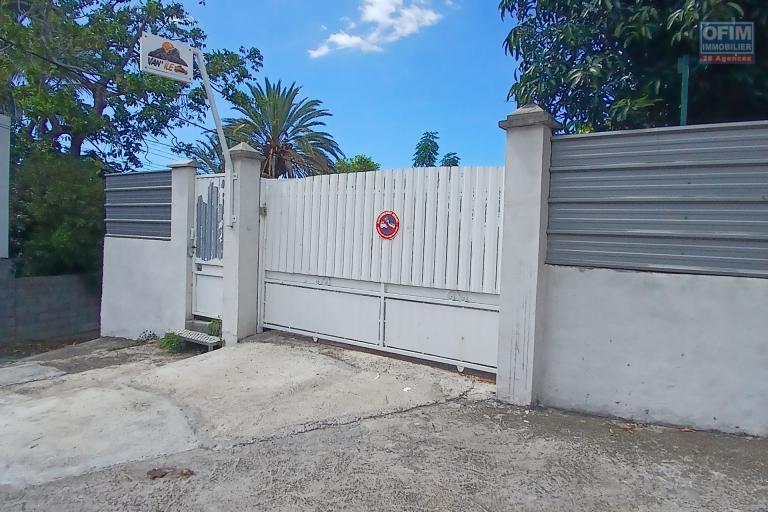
[
  {"x": 144, "y": 287},
  {"x": 668, "y": 348},
  {"x": 5, "y": 159},
  {"x": 147, "y": 284}
]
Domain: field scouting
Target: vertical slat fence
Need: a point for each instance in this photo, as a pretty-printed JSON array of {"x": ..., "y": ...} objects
[{"x": 449, "y": 227}]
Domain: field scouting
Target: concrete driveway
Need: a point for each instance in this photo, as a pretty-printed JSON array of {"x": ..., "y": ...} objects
[
  {"x": 287, "y": 424},
  {"x": 90, "y": 407}
]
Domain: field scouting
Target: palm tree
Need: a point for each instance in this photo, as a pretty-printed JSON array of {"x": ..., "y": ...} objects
[
  {"x": 207, "y": 152},
  {"x": 283, "y": 129}
]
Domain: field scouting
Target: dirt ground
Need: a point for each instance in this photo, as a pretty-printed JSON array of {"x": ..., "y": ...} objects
[
  {"x": 13, "y": 350},
  {"x": 322, "y": 428}
]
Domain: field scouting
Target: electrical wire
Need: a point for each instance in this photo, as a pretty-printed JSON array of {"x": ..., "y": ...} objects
[{"x": 159, "y": 152}]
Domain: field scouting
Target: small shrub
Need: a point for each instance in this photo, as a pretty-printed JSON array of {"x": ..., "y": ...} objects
[
  {"x": 214, "y": 328},
  {"x": 171, "y": 343}
]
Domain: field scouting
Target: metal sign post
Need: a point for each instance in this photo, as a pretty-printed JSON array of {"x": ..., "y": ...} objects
[
  {"x": 229, "y": 174},
  {"x": 174, "y": 60}
]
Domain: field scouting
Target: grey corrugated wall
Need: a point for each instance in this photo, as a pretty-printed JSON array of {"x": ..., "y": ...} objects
[
  {"x": 138, "y": 205},
  {"x": 686, "y": 199}
]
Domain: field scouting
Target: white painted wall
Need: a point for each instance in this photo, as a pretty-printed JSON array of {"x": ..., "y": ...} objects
[
  {"x": 144, "y": 287},
  {"x": 669, "y": 348},
  {"x": 147, "y": 284},
  {"x": 5, "y": 159}
]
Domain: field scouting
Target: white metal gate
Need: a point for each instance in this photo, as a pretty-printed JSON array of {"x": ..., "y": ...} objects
[
  {"x": 208, "y": 279},
  {"x": 431, "y": 292}
]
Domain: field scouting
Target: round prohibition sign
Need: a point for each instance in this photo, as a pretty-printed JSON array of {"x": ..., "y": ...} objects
[{"x": 387, "y": 224}]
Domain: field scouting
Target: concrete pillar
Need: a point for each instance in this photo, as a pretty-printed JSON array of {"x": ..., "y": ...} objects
[
  {"x": 524, "y": 238},
  {"x": 5, "y": 160},
  {"x": 239, "y": 317},
  {"x": 183, "y": 223}
]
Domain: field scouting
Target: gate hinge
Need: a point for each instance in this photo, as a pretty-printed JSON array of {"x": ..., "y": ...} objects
[{"x": 263, "y": 211}]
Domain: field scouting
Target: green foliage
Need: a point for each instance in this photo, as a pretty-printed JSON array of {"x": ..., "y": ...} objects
[
  {"x": 285, "y": 130},
  {"x": 214, "y": 328},
  {"x": 206, "y": 152},
  {"x": 426, "y": 150},
  {"x": 70, "y": 75},
  {"x": 359, "y": 163},
  {"x": 450, "y": 160},
  {"x": 612, "y": 64},
  {"x": 57, "y": 213},
  {"x": 171, "y": 343}
]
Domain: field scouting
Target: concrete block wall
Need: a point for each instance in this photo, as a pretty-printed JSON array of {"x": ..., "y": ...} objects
[
  {"x": 7, "y": 300},
  {"x": 35, "y": 308}
]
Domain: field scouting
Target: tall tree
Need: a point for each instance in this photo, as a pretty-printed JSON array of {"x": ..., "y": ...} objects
[
  {"x": 450, "y": 160},
  {"x": 426, "y": 150},
  {"x": 70, "y": 74},
  {"x": 57, "y": 214},
  {"x": 285, "y": 129},
  {"x": 359, "y": 163},
  {"x": 612, "y": 64}
]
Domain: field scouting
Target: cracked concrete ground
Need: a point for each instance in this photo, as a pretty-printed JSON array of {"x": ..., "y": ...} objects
[{"x": 283, "y": 424}]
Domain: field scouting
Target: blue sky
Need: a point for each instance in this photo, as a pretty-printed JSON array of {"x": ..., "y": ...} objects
[{"x": 387, "y": 69}]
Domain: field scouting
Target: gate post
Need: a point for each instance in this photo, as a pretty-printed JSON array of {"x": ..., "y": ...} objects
[
  {"x": 239, "y": 316},
  {"x": 183, "y": 222},
  {"x": 524, "y": 239}
]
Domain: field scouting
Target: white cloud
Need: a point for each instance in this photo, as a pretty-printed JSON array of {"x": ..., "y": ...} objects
[
  {"x": 386, "y": 21},
  {"x": 348, "y": 22},
  {"x": 321, "y": 50}
]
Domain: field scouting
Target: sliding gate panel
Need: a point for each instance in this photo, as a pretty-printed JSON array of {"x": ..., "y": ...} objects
[
  {"x": 430, "y": 292},
  {"x": 452, "y": 332},
  {"x": 324, "y": 312}
]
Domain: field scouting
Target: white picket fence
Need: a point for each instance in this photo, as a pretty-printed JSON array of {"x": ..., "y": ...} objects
[
  {"x": 449, "y": 237},
  {"x": 431, "y": 291}
]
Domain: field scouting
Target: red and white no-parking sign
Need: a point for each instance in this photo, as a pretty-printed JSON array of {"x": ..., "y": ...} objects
[{"x": 387, "y": 224}]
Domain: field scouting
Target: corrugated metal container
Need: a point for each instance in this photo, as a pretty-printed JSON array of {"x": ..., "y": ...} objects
[{"x": 689, "y": 199}]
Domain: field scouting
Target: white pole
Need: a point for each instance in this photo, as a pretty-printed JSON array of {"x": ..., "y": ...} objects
[
  {"x": 229, "y": 202},
  {"x": 5, "y": 160}
]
